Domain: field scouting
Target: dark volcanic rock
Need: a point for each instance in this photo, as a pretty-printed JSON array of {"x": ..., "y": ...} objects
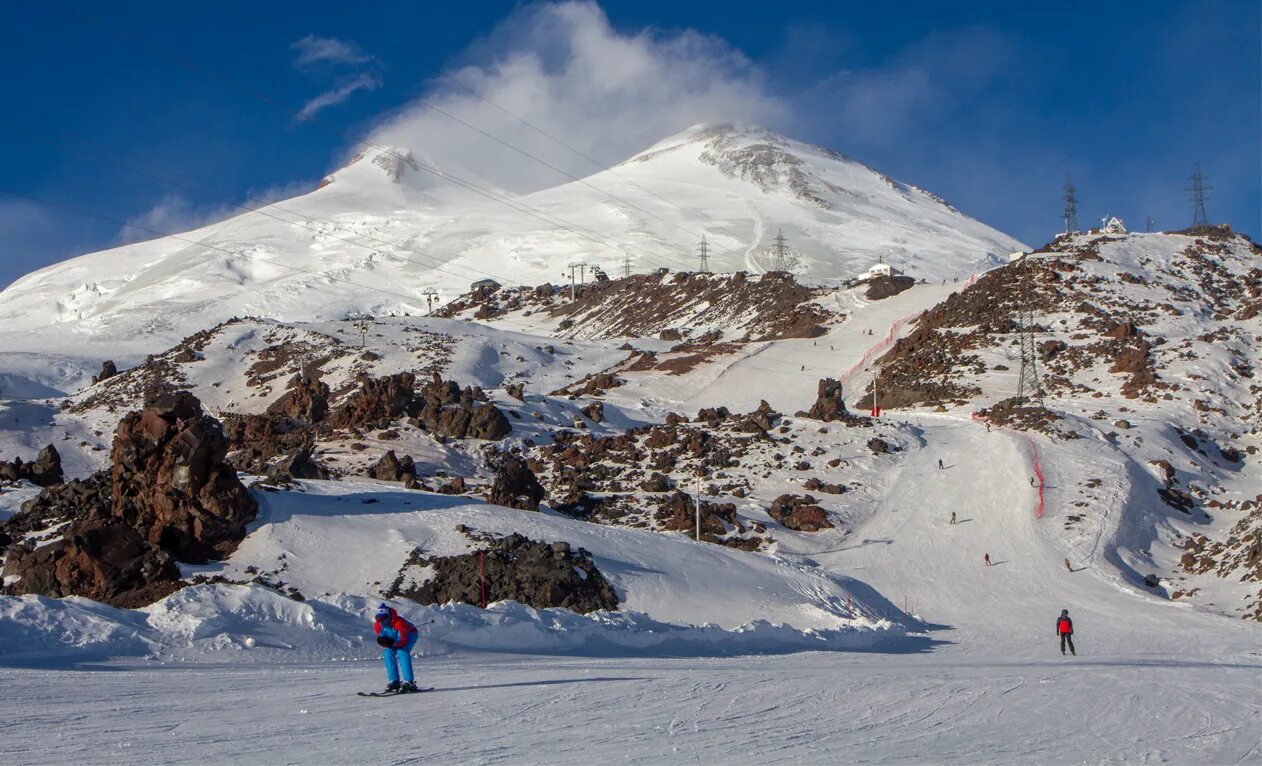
[
  {"x": 595, "y": 412},
  {"x": 101, "y": 558},
  {"x": 168, "y": 496},
  {"x": 44, "y": 472},
  {"x": 307, "y": 399},
  {"x": 391, "y": 468},
  {"x": 377, "y": 403},
  {"x": 879, "y": 446},
  {"x": 298, "y": 464},
  {"x": 656, "y": 482},
  {"x": 170, "y": 481},
  {"x": 829, "y": 405},
  {"x": 887, "y": 287},
  {"x": 447, "y": 409},
  {"x": 538, "y": 574},
  {"x": 442, "y": 407},
  {"x": 799, "y": 512},
  {"x": 679, "y": 513},
  {"x": 108, "y": 370},
  {"x": 256, "y": 440},
  {"x": 516, "y": 486}
]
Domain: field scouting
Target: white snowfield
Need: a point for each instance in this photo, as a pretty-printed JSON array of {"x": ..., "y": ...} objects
[{"x": 382, "y": 232}]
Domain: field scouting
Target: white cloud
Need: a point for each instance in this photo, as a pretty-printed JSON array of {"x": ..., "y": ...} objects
[
  {"x": 338, "y": 93},
  {"x": 327, "y": 50},
  {"x": 565, "y": 69}
]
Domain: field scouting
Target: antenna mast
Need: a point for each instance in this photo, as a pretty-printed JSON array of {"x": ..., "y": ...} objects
[
  {"x": 1071, "y": 206},
  {"x": 704, "y": 251},
  {"x": 1198, "y": 189}
]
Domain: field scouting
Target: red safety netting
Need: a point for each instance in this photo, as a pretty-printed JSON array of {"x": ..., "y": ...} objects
[{"x": 1036, "y": 463}]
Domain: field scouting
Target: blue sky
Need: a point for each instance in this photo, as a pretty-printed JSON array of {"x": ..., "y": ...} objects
[{"x": 989, "y": 106}]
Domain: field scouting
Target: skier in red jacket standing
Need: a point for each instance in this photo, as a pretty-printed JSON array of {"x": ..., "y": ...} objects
[{"x": 1065, "y": 629}]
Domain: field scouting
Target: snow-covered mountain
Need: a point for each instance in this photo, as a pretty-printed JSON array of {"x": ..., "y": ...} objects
[{"x": 387, "y": 227}]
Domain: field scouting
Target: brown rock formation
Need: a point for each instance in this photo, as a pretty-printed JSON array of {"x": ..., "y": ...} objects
[
  {"x": 516, "y": 486},
  {"x": 799, "y": 512},
  {"x": 170, "y": 481},
  {"x": 44, "y": 472}
]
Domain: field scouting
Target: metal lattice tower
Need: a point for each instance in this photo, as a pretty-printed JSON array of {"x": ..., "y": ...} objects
[
  {"x": 1071, "y": 206},
  {"x": 626, "y": 265},
  {"x": 1029, "y": 385},
  {"x": 573, "y": 266},
  {"x": 1148, "y": 224},
  {"x": 703, "y": 250},
  {"x": 1198, "y": 190},
  {"x": 780, "y": 254}
]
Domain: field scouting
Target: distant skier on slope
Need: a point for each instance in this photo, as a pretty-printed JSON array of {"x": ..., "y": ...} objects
[
  {"x": 1065, "y": 629},
  {"x": 987, "y": 557},
  {"x": 940, "y": 466},
  {"x": 396, "y": 636},
  {"x": 952, "y": 517}
]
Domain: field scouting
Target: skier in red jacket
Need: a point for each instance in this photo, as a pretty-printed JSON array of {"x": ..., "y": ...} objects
[
  {"x": 1065, "y": 629},
  {"x": 396, "y": 636}
]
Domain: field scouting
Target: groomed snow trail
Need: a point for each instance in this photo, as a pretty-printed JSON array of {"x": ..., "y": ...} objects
[
  {"x": 909, "y": 552},
  {"x": 805, "y": 708}
]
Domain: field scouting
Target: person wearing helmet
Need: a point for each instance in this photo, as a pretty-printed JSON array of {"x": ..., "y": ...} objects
[
  {"x": 396, "y": 636},
  {"x": 1065, "y": 629}
]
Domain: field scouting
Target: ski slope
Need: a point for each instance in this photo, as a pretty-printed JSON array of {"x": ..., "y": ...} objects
[
  {"x": 943, "y": 707},
  {"x": 1153, "y": 681}
]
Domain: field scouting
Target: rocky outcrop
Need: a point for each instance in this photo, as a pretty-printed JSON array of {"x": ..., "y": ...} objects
[
  {"x": 516, "y": 486},
  {"x": 298, "y": 464},
  {"x": 880, "y": 288},
  {"x": 378, "y": 403},
  {"x": 445, "y": 408},
  {"x": 45, "y": 471},
  {"x": 171, "y": 483},
  {"x": 830, "y": 407},
  {"x": 307, "y": 399},
  {"x": 108, "y": 370},
  {"x": 101, "y": 558},
  {"x": 594, "y": 412},
  {"x": 257, "y": 440},
  {"x": 169, "y": 496},
  {"x": 679, "y": 513},
  {"x": 513, "y": 568},
  {"x": 392, "y": 468},
  {"x": 799, "y": 512},
  {"x": 441, "y": 407}
]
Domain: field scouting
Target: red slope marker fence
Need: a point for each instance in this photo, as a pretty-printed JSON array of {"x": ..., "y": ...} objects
[
  {"x": 1035, "y": 463},
  {"x": 888, "y": 340}
]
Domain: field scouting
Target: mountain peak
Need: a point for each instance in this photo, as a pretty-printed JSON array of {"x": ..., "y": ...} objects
[{"x": 395, "y": 164}]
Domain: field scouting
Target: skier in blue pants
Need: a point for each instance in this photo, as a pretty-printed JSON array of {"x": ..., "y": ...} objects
[{"x": 396, "y": 636}]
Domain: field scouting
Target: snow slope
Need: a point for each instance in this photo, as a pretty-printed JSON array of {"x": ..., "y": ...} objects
[{"x": 382, "y": 231}]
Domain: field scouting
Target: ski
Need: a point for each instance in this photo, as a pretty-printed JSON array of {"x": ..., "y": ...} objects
[{"x": 395, "y": 694}]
